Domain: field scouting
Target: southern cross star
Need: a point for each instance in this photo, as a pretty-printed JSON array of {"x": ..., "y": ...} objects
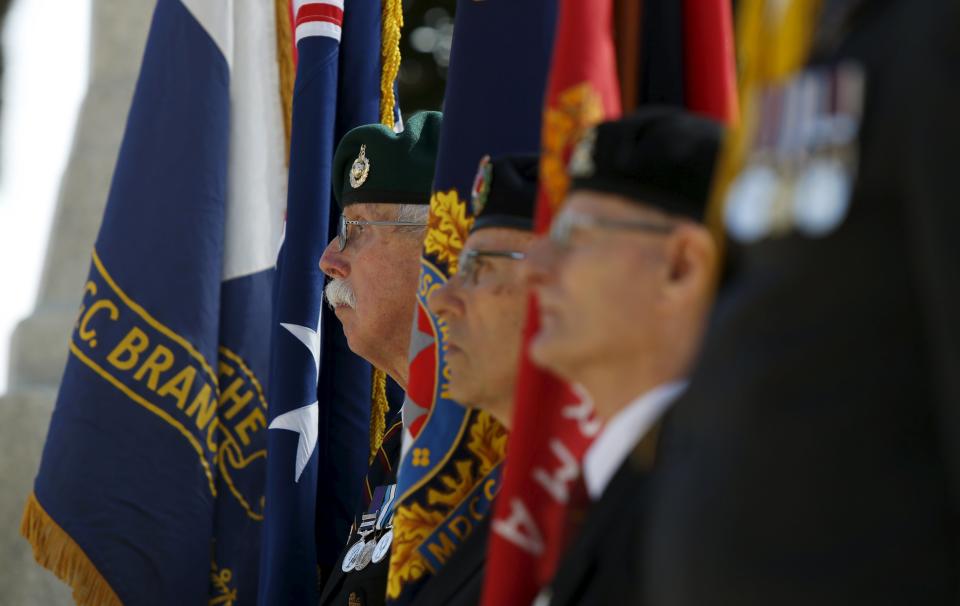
[{"x": 303, "y": 420}]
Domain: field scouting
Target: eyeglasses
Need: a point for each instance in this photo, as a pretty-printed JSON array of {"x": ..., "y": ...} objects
[
  {"x": 344, "y": 222},
  {"x": 467, "y": 265},
  {"x": 564, "y": 224}
]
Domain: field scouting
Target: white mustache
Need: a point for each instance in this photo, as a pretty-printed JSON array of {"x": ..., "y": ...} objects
[{"x": 339, "y": 294}]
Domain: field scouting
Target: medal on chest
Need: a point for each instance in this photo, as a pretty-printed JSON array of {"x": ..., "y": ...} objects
[
  {"x": 799, "y": 172},
  {"x": 377, "y": 524}
]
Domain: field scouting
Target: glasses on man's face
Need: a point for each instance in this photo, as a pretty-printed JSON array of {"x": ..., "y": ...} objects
[
  {"x": 467, "y": 265},
  {"x": 342, "y": 236},
  {"x": 568, "y": 222}
]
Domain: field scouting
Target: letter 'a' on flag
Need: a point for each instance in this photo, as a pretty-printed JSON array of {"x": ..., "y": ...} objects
[
  {"x": 319, "y": 422},
  {"x": 151, "y": 486},
  {"x": 683, "y": 55},
  {"x": 453, "y": 456}
]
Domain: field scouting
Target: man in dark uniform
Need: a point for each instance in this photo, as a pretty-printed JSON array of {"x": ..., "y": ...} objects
[
  {"x": 482, "y": 309},
  {"x": 815, "y": 458},
  {"x": 624, "y": 284},
  {"x": 382, "y": 181}
]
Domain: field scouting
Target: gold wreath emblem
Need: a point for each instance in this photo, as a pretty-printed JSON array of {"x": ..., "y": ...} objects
[
  {"x": 447, "y": 228},
  {"x": 577, "y": 109},
  {"x": 414, "y": 523}
]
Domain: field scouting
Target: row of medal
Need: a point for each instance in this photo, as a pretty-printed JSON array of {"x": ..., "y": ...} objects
[
  {"x": 378, "y": 522},
  {"x": 803, "y": 157}
]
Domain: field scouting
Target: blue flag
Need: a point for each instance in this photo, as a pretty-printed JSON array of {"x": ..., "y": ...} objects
[
  {"x": 453, "y": 456},
  {"x": 151, "y": 487},
  {"x": 320, "y": 413}
]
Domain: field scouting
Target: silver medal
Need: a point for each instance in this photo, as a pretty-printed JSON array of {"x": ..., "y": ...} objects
[
  {"x": 822, "y": 198},
  {"x": 748, "y": 213},
  {"x": 353, "y": 554},
  {"x": 365, "y": 555},
  {"x": 383, "y": 547}
]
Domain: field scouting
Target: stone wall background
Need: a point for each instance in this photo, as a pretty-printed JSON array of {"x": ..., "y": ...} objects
[{"x": 39, "y": 344}]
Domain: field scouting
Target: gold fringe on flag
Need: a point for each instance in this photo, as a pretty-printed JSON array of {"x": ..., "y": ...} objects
[
  {"x": 773, "y": 43},
  {"x": 56, "y": 551},
  {"x": 285, "y": 62},
  {"x": 391, "y": 22},
  {"x": 378, "y": 411}
]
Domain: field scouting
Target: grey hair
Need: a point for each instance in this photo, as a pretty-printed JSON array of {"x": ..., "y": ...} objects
[{"x": 414, "y": 213}]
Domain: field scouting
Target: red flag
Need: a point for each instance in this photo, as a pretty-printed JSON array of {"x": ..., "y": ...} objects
[
  {"x": 710, "y": 77},
  {"x": 552, "y": 427}
]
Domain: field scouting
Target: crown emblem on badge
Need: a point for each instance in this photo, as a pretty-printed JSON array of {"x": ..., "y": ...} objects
[
  {"x": 360, "y": 169},
  {"x": 481, "y": 186},
  {"x": 581, "y": 160}
]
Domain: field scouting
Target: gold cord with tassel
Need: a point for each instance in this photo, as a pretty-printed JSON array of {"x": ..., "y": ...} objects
[
  {"x": 378, "y": 410},
  {"x": 391, "y": 22},
  {"x": 287, "y": 69}
]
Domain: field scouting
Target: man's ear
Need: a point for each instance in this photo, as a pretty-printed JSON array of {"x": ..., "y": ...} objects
[{"x": 691, "y": 259}]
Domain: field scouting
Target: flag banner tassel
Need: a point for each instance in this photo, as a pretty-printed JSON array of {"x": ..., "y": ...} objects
[
  {"x": 379, "y": 408},
  {"x": 287, "y": 65},
  {"x": 391, "y": 23},
  {"x": 56, "y": 551}
]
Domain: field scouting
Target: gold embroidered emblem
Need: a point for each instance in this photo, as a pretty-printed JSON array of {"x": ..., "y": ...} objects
[
  {"x": 577, "y": 109},
  {"x": 447, "y": 228},
  {"x": 223, "y": 593},
  {"x": 421, "y": 457},
  {"x": 413, "y": 524},
  {"x": 360, "y": 169}
]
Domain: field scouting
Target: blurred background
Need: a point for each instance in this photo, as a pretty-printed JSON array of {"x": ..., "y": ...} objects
[
  {"x": 45, "y": 63},
  {"x": 425, "y": 48}
]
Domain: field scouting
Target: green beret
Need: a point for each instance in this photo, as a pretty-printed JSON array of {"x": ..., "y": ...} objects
[
  {"x": 659, "y": 156},
  {"x": 375, "y": 164}
]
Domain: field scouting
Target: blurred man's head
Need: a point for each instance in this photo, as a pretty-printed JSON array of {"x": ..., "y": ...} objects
[
  {"x": 625, "y": 278},
  {"x": 382, "y": 181},
  {"x": 483, "y": 306}
]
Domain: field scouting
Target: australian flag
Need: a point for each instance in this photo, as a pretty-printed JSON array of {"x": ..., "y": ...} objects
[
  {"x": 320, "y": 397},
  {"x": 453, "y": 456},
  {"x": 151, "y": 487}
]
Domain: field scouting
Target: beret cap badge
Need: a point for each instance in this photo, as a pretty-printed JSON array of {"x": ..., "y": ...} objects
[
  {"x": 360, "y": 168},
  {"x": 481, "y": 186},
  {"x": 581, "y": 159}
]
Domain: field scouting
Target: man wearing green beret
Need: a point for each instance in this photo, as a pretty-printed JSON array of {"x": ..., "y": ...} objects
[
  {"x": 482, "y": 309},
  {"x": 625, "y": 282},
  {"x": 382, "y": 182}
]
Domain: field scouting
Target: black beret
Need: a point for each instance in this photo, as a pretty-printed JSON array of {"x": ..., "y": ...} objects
[
  {"x": 505, "y": 192},
  {"x": 659, "y": 156}
]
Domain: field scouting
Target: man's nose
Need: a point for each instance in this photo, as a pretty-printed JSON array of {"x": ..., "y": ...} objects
[
  {"x": 333, "y": 263},
  {"x": 445, "y": 301}
]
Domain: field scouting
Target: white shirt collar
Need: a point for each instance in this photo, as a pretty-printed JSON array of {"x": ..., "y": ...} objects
[{"x": 622, "y": 433}]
